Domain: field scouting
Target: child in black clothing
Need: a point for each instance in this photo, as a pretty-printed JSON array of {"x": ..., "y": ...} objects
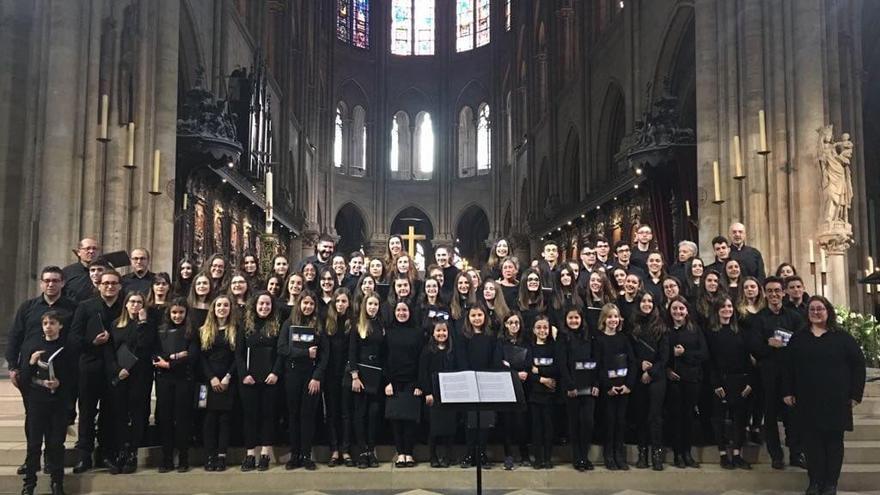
[
  {"x": 578, "y": 356},
  {"x": 543, "y": 376},
  {"x": 516, "y": 355},
  {"x": 617, "y": 378},
  {"x": 437, "y": 356},
  {"x": 47, "y": 379},
  {"x": 403, "y": 344},
  {"x": 175, "y": 385}
]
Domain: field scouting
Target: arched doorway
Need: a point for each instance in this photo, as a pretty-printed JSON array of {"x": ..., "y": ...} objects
[
  {"x": 422, "y": 226},
  {"x": 471, "y": 234},
  {"x": 351, "y": 228}
]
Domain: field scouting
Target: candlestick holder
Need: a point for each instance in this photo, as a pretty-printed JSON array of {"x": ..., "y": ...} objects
[
  {"x": 718, "y": 202},
  {"x": 155, "y": 193},
  {"x": 129, "y": 166},
  {"x": 824, "y": 282},
  {"x": 739, "y": 177},
  {"x": 104, "y": 140},
  {"x": 763, "y": 152}
]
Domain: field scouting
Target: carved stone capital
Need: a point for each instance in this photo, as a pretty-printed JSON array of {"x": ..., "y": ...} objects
[{"x": 835, "y": 237}]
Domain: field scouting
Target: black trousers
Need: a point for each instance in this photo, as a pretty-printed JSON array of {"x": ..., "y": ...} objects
[
  {"x": 367, "y": 419},
  {"x": 516, "y": 432},
  {"x": 581, "y": 420},
  {"x": 542, "y": 428},
  {"x": 732, "y": 435},
  {"x": 614, "y": 415},
  {"x": 404, "y": 435},
  {"x": 93, "y": 389},
  {"x": 824, "y": 450},
  {"x": 45, "y": 420},
  {"x": 216, "y": 431},
  {"x": 301, "y": 409},
  {"x": 259, "y": 404},
  {"x": 647, "y": 405},
  {"x": 132, "y": 397},
  {"x": 174, "y": 407},
  {"x": 682, "y": 398},
  {"x": 774, "y": 410},
  {"x": 337, "y": 413}
]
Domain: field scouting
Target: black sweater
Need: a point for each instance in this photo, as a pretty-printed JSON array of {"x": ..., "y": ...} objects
[
  {"x": 339, "y": 348},
  {"x": 64, "y": 366},
  {"x": 91, "y": 317},
  {"x": 477, "y": 352},
  {"x": 544, "y": 365},
  {"x": 293, "y": 347},
  {"x": 652, "y": 349},
  {"x": 403, "y": 344},
  {"x": 730, "y": 355},
  {"x": 612, "y": 348},
  {"x": 688, "y": 366},
  {"x": 369, "y": 350},
  {"x": 433, "y": 361},
  {"x": 257, "y": 338},
  {"x": 578, "y": 355},
  {"x": 762, "y": 326},
  {"x": 141, "y": 339},
  {"x": 172, "y": 340},
  {"x": 219, "y": 359}
]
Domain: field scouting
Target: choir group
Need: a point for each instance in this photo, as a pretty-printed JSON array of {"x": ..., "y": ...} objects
[{"x": 616, "y": 347}]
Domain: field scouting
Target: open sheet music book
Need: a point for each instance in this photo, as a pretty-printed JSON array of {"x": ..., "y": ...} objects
[{"x": 476, "y": 387}]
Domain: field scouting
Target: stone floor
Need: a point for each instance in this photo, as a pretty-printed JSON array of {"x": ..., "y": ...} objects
[{"x": 526, "y": 492}]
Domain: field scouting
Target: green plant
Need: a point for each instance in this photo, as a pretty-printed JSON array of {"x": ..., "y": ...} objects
[{"x": 865, "y": 329}]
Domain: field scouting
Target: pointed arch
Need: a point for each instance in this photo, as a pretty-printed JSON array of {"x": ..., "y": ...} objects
[
  {"x": 612, "y": 128},
  {"x": 472, "y": 232},
  {"x": 400, "y": 156},
  {"x": 351, "y": 227},
  {"x": 424, "y": 156},
  {"x": 571, "y": 177},
  {"x": 467, "y": 143},
  {"x": 358, "y": 139}
]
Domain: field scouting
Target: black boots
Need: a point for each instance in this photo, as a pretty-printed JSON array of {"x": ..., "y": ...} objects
[
  {"x": 657, "y": 455},
  {"x": 608, "y": 457},
  {"x": 642, "y": 463},
  {"x": 84, "y": 464},
  {"x": 620, "y": 457},
  {"x": 689, "y": 460}
]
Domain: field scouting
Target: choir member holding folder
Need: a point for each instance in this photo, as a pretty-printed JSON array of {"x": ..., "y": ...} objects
[
  {"x": 259, "y": 367},
  {"x": 337, "y": 398},
  {"x": 578, "y": 357},
  {"x": 515, "y": 352},
  {"x": 128, "y": 361},
  {"x": 304, "y": 348},
  {"x": 438, "y": 357},
  {"x": 365, "y": 358},
  {"x": 543, "y": 378},
  {"x": 403, "y": 343},
  {"x": 617, "y": 376},
  {"x": 177, "y": 350},
  {"x": 217, "y": 339}
]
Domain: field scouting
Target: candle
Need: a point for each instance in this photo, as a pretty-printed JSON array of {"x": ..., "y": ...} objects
[
  {"x": 737, "y": 158},
  {"x": 269, "y": 219},
  {"x": 762, "y": 131},
  {"x": 157, "y": 166},
  {"x": 868, "y": 274},
  {"x": 812, "y": 253},
  {"x": 824, "y": 257},
  {"x": 716, "y": 170},
  {"x": 269, "y": 187},
  {"x": 129, "y": 156},
  {"x": 105, "y": 109},
  {"x": 687, "y": 208},
  {"x": 185, "y": 200},
  {"x": 870, "y": 264}
]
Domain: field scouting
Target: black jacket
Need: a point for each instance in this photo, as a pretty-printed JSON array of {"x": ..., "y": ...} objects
[
  {"x": 27, "y": 327},
  {"x": 688, "y": 366}
]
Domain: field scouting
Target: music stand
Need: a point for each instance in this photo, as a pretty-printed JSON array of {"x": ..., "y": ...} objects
[{"x": 477, "y": 406}]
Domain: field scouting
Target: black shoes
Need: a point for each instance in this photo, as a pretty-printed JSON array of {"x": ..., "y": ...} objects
[
  {"x": 726, "y": 462},
  {"x": 657, "y": 456},
  {"x": 84, "y": 464},
  {"x": 167, "y": 466},
  {"x": 308, "y": 463},
  {"x": 642, "y": 462},
  {"x": 829, "y": 490},
  {"x": 363, "y": 460},
  {"x": 741, "y": 463},
  {"x": 798, "y": 460},
  {"x": 131, "y": 462},
  {"x": 620, "y": 458},
  {"x": 21, "y": 470},
  {"x": 249, "y": 463},
  {"x": 608, "y": 457},
  {"x": 813, "y": 489},
  {"x": 28, "y": 489},
  {"x": 295, "y": 462},
  {"x": 678, "y": 461},
  {"x": 689, "y": 460},
  {"x": 467, "y": 461},
  {"x": 777, "y": 463},
  {"x": 264, "y": 463},
  {"x": 220, "y": 463},
  {"x": 183, "y": 462},
  {"x": 57, "y": 488}
]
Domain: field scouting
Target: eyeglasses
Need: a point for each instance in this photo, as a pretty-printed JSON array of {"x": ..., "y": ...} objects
[
  {"x": 533, "y": 279},
  {"x": 109, "y": 284},
  {"x": 818, "y": 310}
]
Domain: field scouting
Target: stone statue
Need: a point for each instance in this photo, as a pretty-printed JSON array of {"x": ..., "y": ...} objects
[{"x": 836, "y": 175}]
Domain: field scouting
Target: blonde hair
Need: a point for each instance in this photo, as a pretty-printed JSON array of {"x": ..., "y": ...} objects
[
  {"x": 209, "y": 330},
  {"x": 606, "y": 313},
  {"x": 363, "y": 326}
]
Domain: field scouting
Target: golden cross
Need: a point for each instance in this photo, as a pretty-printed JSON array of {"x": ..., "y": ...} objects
[{"x": 411, "y": 238}]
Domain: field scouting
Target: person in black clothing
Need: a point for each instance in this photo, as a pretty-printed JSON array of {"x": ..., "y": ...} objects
[
  {"x": 159, "y": 295},
  {"x": 549, "y": 264},
  {"x": 578, "y": 356},
  {"x": 565, "y": 295},
  {"x": 531, "y": 300},
  {"x": 250, "y": 267},
  {"x": 644, "y": 244},
  {"x": 323, "y": 252},
  {"x": 432, "y": 307},
  {"x": 198, "y": 300},
  {"x": 186, "y": 268},
  {"x": 140, "y": 279},
  {"x": 750, "y": 259},
  {"x": 597, "y": 293},
  {"x": 47, "y": 372},
  {"x": 721, "y": 247},
  {"x": 133, "y": 336},
  {"x": 476, "y": 350},
  {"x": 493, "y": 302},
  {"x": 626, "y": 259},
  {"x": 543, "y": 376},
  {"x": 259, "y": 367},
  {"x": 508, "y": 281},
  {"x": 617, "y": 377},
  {"x": 176, "y": 352},
  {"x": 89, "y": 333},
  {"x": 217, "y": 338},
  {"x": 436, "y": 357},
  {"x": 730, "y": 378},
  {"x": 220, "y": 272},
  {"x": 305, "y": 350},
  {"x": 337, "y": 399},
  {"x": 27, "y": 327},
  {"x": 355, "y": 270},
  {"x": 650, "y": 342},
  {"x": 403, "y": 345},
  {"x": 497, "y": 253},
  {"x": 824, "y": 382},
  {"x": 794, "y": 295},
  {"x": 769, "y": 331},
  {"x": 515, "y": 353},
  {"x": 450, "y": 271},
  {"x": 240, "y": 290},
  {"x": 365, "y": 351},
  {"x": 78, "y": 286},
  {"x": 463, "y": 298},
  {"x": 685, "y": 373},
  {"x": 326, "y": 287}
]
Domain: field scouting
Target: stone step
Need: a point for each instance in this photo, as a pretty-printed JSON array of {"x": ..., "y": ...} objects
[{"x": 705, "y": 480}]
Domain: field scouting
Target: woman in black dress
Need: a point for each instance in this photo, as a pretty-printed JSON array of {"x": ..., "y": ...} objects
[
  {"x": 217, "y": 339},
  {"x": 130, "y": 383},
  {"x": 403, "y": 345},
  {"x": 476, "y": 350},
  {"x": 824, "y": 382},
  {"x": 177, "y": 351},
  {"x": 651, "y": 346},
  {"x": 365, "y": 353},
  {"x": 186, "y": 268},
  {"x": 259, "y": 368}
]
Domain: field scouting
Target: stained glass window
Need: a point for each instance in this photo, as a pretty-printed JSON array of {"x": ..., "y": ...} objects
[
  {"x": 353, "y": 22},
  {"x": 484, "y": 141},
  {"x": 412, "y": 27},
  {"x": 470, "y": 24}
]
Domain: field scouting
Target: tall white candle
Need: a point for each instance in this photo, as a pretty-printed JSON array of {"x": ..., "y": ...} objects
[
  {"x": 687, "y": 208},
  {"x": 105, "y": 110},
  {"x": 868, "y": 286},
  {"x": 762, "y": 131},
  {"x": 269, "y": 187},
  {"x": 812, "y": 253},
  {"x": 716, "y": 172},
  {"x": 185, "y": 201},
  {"x": 157, "y": 166},
  {"x": 824, "y": 257},
  {"x": 129, "y": 156},
  {"x": 737, "y": 157}
]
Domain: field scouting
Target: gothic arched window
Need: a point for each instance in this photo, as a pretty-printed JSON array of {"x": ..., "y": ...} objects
[
  {"x": 400, "y": 158},
  {"x": 471, "y": 23},
  {"x": 484, "y": 141},
  {"x": 424, "y": 146},
  {"x": 358, "y": 135},
  {"x": 353, "y": 22},
  {"x": 412, "y": 27},
  {"x": 467, "y": 143},
  {"x": 339, "y": 137}
]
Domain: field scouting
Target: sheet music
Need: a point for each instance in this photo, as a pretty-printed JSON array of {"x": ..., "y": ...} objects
[
  {"x": 51, "y": 362},
  {"x": 495, "y": 386},
  {"x": 458, "y": 387}
]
